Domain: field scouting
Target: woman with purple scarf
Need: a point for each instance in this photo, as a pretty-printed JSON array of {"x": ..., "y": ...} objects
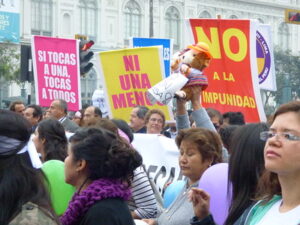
[{"x": 100, "y": 167}]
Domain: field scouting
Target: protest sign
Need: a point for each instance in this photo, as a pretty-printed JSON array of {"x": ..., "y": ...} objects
[
  {"x": 56, "y": 71},
  {"x": 292, "y": 16},
  {"x": 265, "y": 58},
  {"x": 232, "y": 74},
  {"x": 167, "y": 48},
  {"x": 127, "y": 74},
  {"x": 160, "y": 157},
  {"x": 10, "y": 21},
  {"x": 98, "y": 100}
]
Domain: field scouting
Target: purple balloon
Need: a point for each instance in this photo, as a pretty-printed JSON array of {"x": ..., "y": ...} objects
[{"x": 214, "y": 181}]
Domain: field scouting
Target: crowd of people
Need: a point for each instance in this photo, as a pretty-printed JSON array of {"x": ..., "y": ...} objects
[{"x": 112, "y": 185}]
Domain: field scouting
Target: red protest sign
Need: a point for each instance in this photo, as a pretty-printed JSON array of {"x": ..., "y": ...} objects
[{"x": 232, "y": 74}]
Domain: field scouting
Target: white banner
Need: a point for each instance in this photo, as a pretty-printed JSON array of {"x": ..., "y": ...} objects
[
  {"x": 160, "y": 157},
  {"x": 265, "y": 58}
]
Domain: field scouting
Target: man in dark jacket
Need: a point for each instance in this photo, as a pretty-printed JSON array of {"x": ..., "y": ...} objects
[
  {"x": 137, "y": 119},
  {"x": 58, "y": 110},
  {"x": 34, "y": 114}
]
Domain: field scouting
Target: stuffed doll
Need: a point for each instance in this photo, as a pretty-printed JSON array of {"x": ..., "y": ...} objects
[{"x": 190, "y": 62}]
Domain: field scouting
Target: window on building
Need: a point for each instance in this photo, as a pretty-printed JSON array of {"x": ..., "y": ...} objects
[
  {"x": 88, "y": 18},
  {"x": 260, "y": 20},
  {"x": 88, "y": 86},
  {"x": 172, "y": 19},
  {"x": 283, "y": 35},
  {"x": 205, "y": 14},
  {"x": 132, "y": 13},
  {"x": 67, "y": 24},
  {"x": 234, "y": 17},
  {"x": 41, "y": 17}
]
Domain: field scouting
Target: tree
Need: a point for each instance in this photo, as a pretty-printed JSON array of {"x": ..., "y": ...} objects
[
  {"x": 9, "y": 62},
  {"x": 9, "y": 66},
  {"x": 287, "y": 69}
]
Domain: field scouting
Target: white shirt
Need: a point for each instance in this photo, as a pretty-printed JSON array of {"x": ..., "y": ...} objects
[
  {"x": 275, "y": 217},
  {"x": 61, "y": 120}
]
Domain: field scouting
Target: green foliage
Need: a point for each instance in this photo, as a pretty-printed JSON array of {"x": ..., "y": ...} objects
[
  {"x": 287, "y": 67},
  {"x": 9, "y": 62}
]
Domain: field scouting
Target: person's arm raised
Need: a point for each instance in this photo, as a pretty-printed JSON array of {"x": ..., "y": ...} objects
[
  {"x": 182, "y": 118},
  {"x": 199, "y": 114}
]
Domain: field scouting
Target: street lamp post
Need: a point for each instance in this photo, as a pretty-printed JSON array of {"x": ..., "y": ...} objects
[
  {"x": 2, "y": 87},
  {"x": 1, "y": 92},
  {"x": 151, "y": 31},
  {"x": 286, "y": 90}
]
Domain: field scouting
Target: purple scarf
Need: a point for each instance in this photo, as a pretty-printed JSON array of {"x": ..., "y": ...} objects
[{"x": 97, "y": 190}]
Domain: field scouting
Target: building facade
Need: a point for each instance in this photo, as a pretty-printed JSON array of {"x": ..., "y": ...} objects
[{"x": 111, "y": 23}]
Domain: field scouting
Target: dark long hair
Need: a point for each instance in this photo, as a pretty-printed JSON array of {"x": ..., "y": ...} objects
[
  {"x": 246, "y": 165},
  {"x": 19, "y": 181},
  {"x": 121, "y": 124},
  {"x": 56, "y": 144},
  {"x": 107, "y": 156}
]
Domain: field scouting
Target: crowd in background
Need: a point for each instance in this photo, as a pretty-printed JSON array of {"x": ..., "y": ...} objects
[{"x": 111, "y": 184}]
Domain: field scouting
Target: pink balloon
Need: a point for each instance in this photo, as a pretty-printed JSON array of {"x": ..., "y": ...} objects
[{"x": 214, "y": 181}]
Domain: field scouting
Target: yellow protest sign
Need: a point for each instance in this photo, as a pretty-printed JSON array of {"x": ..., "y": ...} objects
[{"x": 127, "y": 75}]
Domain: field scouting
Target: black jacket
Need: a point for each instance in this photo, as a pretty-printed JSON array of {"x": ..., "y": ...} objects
[{"x": 111, "y": 211}]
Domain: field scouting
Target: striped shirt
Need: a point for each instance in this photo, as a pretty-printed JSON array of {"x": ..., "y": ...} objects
[{"x": 143, "y": 201}]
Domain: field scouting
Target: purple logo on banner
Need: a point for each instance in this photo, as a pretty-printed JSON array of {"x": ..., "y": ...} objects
[{"x": 263, "y": 57}]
